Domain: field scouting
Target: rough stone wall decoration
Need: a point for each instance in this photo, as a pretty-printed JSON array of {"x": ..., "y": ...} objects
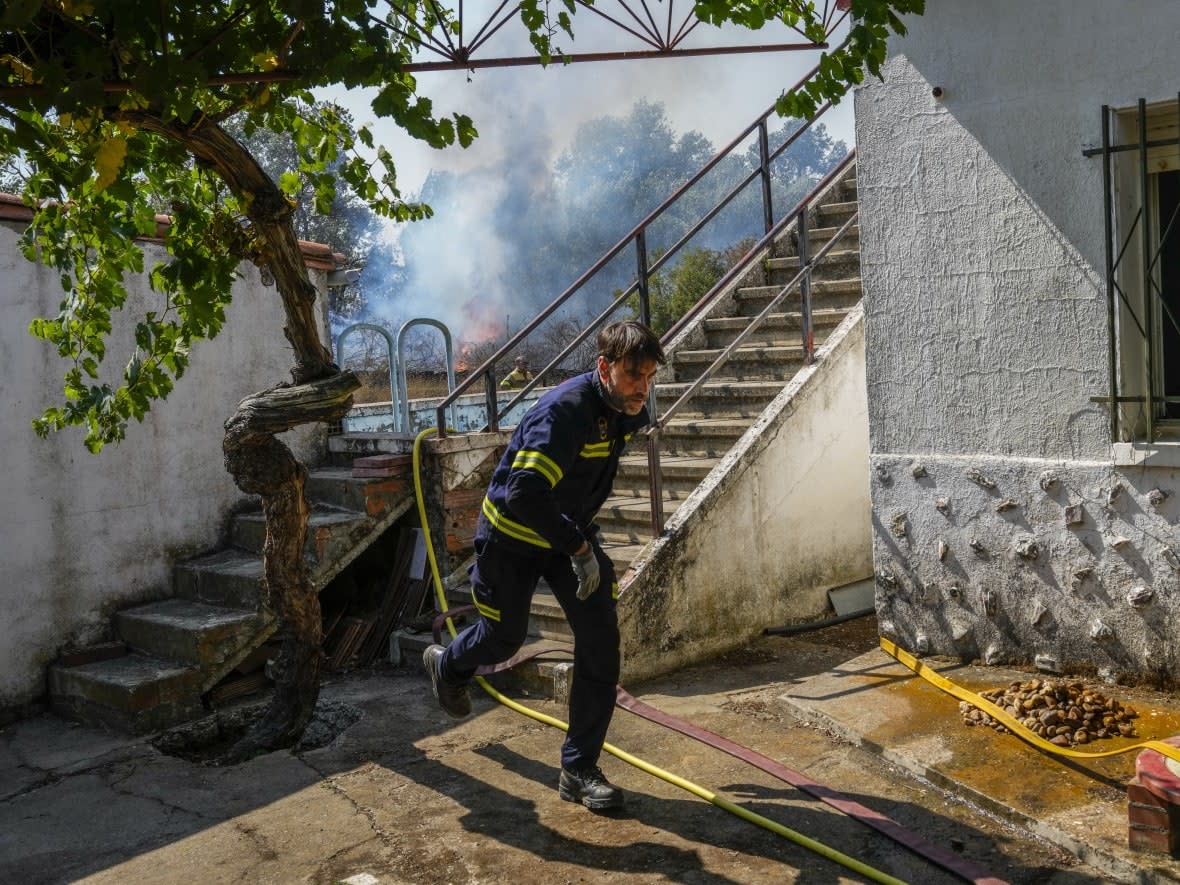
[{"x": 1080, "y": 576}]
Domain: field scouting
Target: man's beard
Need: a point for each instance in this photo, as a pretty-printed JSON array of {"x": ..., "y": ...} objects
[{"x": 613, "y": 398}]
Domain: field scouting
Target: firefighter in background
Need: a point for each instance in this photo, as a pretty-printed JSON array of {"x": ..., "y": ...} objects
[
  {"x": 519, "y": 376},
  {"x": 537, "y": 521}
]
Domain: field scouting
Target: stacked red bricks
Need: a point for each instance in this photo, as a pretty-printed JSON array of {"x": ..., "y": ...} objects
[{"x": 1153, "y": 812}]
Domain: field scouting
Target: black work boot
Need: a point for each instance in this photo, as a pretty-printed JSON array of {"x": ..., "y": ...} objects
[
  {"x": 454, "y": 699},
  {"x": 590, "y": 787}
]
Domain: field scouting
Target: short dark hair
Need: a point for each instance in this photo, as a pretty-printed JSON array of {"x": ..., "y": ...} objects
[{"x": 630, "y": 340}]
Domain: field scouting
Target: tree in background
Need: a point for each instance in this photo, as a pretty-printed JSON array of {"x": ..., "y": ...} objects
[
  {"x": 672, "y": 292},
  {"x": 118, "y": 107},
  {"x": 349, "y": 226}
]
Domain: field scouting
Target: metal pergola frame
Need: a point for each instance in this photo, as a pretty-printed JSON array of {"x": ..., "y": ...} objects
[{"x": 660, "y": 32}]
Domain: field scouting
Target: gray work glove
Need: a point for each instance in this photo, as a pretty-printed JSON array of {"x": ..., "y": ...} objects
[{"x": 586, "y": 570}]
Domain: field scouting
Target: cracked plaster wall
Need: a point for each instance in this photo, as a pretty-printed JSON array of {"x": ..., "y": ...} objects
[
  {"x": 82, "y": 535},
  {"x": 986, "y": 336}
]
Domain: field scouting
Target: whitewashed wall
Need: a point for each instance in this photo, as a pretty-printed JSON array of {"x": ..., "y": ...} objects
[
  {"x": 82, "y": 535},
  {"x": 1004, "y": 525},
  {"x": 780, "y": 521}
]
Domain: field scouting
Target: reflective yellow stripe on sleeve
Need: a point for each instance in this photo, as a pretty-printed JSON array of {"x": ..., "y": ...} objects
[
  {"x": 512, "y": 529},
  {"x": 530, "y": 459}
]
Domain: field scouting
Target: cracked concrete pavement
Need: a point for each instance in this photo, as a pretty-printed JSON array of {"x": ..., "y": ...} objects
[{"x": 403, "y": 795}]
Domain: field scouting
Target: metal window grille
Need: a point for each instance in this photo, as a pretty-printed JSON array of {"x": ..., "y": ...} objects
[{"x": 1142, "y": 240}]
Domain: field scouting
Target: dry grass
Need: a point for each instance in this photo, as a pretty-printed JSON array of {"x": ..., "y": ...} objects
[{"x": 375, "y": 386}]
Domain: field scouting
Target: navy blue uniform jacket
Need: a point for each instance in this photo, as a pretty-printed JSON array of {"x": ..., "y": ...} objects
[{"x": 558, "y": 469}]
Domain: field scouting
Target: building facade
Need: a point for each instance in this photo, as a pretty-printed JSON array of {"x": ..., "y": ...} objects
[{"x": 1017, "y": 179}]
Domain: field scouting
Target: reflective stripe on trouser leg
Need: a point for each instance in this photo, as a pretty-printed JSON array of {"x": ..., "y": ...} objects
[
  {"x": 596, "y": 658},
  {"x": 502, "y": 584}
]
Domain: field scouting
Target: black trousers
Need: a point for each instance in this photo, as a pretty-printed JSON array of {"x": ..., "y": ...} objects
[{"x": 502, "y": 583}]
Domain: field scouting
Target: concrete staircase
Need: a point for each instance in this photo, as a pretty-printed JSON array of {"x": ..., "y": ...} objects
[
  {"x": 723, "y": 410},
  {"x": 726, "y": 406},
  {"x": 169, "y": 653}
]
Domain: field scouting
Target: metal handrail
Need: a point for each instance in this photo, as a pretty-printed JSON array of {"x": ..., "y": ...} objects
[
  {"x": 402, "y": 418},
  {"x": 389, "y": 348},
  {"x": 743, "y": 263},
  {"x": 803, "y": 277},
  {"x": 808, "y": 347},
  {"x": 637, "y": 235}
]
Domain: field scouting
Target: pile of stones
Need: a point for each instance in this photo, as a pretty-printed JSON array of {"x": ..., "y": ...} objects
[{"x": 1063, "y": 713}]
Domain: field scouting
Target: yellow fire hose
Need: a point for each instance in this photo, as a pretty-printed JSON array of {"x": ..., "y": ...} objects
[
  {"x": 697, "y": 790},
  {"x": 1010, "y": 722}
]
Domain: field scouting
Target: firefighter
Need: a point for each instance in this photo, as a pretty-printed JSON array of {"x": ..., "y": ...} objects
[
  {"x": 519, "y": 376},
  {"x": 537, "y": 521}
]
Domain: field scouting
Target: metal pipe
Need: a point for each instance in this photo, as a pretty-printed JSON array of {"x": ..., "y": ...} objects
[
  {"x": 1108, "y": 201},
  {"x": 489, "y": 387},
  {"x": 641, "y": 278},
  {"x": 389, "y": 347},
  {"x": 805, "y": 288},
  {"x": 764, "y": 168},
  {"x": 1148, "y": 311},
  {"x": 404, "y": 421},
  {"x": 655, "y": 484},
  {"x": 470, "y": 64}
]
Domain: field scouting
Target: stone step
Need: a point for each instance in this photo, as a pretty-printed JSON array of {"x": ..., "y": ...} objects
[
  {"x": 817, "y": 236},
  {"x": 777, "y": 328},
  {"x": 546, "y": 617},
  {"x": 835, "y": 213},
  {"x": 639, "y": 488},
  {"x": 825, "y": 294},
  {"x": 229, "y": 577},
  {"x": 628, "y": 535},
  {"x": 624, "y": 550},
  {"x": 835, "y": 264},
  {"x": 632, "y": 512},
  {"x": 545, "y": 675},
  {"x": 626, "y": 520},
  {"x": 717, "y": 397},
  {"x": 134, "y": 693},
  {"x": 746, "y": 363},
  {"x": 702, "y": 437},
  {"x": 343, "y": 448},
  {"x": 191, "y": 633},
  {"x": 330, "y": 533},
  {"x": 680, "y": 474},
  {"x": 374, "y": 497}
]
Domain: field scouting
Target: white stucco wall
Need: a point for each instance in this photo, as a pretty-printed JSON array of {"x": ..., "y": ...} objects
[
  {"x": 982, "y": 255},
  {"x": 82, "y": 535}
]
